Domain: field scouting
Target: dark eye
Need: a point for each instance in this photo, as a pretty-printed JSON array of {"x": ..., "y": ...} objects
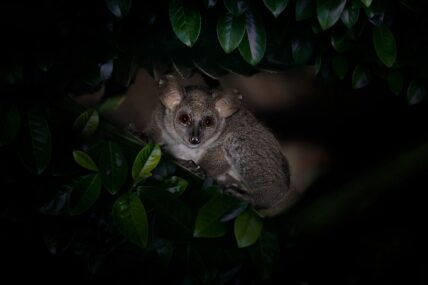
[
  {"x": 184, "y": 119},
  {"x": 208, "y": 122}
]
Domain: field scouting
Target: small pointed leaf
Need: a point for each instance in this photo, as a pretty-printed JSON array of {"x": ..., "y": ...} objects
[
  {"x": 147, "y": 159},
  {"x": 84, "y": 160},
  {"x": 360, "y": 77},
  {"x": 253, "y": 45},
  {"x": 113, "y": 167},
  {"x": 230, "y": 31},
  {"x": 84, "y": 194},
  {"x": 416, "y": 92},
  {"x": 236, "y": 7},
  {"x": 276, "y": 6},
  {"x": 329, "y": 11},
  {"x": 385, "y": 46}
]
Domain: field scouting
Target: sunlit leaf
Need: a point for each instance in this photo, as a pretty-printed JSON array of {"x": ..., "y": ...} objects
[
  {"x": 276, "y": 6},
  {"x": 253, "y": 45},
  {"x": 385, "y": 46},
  {"x": 10, "y": 122},
  {"x": 185, "y": 20},
  {"x": 84, "y": 194},
  {"x": 129, "y": 216},
  {"x": 113, "y": 167},
  {"x": 247, "y": 228},
  {"x": 416, "y": 92},
  {"x": 236, "y": 7},
  {"x": 230, "y": 31},
  {"x": 361, "y": 76},
  {"x": 36, "y": 153},
  {"x": 146, "y": 160},
  {"x": 329, "y": 11},
  {"x": 340, "y": 66},
  {"x": 119, "y": 8}
]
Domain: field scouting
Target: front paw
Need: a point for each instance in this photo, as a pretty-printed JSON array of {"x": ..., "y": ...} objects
[{"x": 193, "y": 167}]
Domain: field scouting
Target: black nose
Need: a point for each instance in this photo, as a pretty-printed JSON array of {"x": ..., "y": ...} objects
[{"x": 194, "y": 140}]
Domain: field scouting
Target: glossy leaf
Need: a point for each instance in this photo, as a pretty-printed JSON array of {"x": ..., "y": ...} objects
[
  {"x": 230, "y": 31},
  {"x": 208, "y": 220},
  {"x": 119, "y": 8},
  {"x": 111, "y": 104},
  {"x": 10, "y": 122},
  {"x": 210, "y": 3},
  {"x": 395, "y": 81},
  {"x": 36, "y": 153},
  {"x": 340, "y": 42},
  {"x": 304, "y": 9},
  {"x": 276, "y": 6},
  {"x": 84, "y": 160},
  {"x": 236, "y": 7},
  {"x": 185, "y": 21},
  {"x": 416, "y": 92},
  {"x": 84, "y": 194},
  {"x": 350, "y": 15},
  {"x": 129, "y": 216},
  {"x": 253, "y": 45},
  {"x": 340, "y": 66},
  {"x": 360, "y": 77},
  {"x": 175, "y": 185},
  {"x": 87, "y": 123},
  {"x": 329, "y": 11},
  {"x": 146, "y": 160},
  {"x": 385, "y": 46},
  {"x": 366, "y": 3},
  {"x": 247, "y": 228},
  {"x": 113, "y": 167}
]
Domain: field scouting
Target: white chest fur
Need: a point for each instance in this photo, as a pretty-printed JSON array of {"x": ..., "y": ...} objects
[{"x": 181, "y": 151}]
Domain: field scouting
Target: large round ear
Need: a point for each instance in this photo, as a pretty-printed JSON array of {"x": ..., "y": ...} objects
[
  {"x": 171, "y": 92},
  {"x": 227, "y": 102}
]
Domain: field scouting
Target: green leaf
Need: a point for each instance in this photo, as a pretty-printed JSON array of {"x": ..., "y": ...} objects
[
  {"x": 360, "y": 77},
  {"x": 113, "y": 167},
  {"x": 384, "y": 43},
  {"x": 209, "y": 3},
  {"x": 147, "y": 159},
  {"x": 84, "y": 160},
  {"x": 236, "y": 7},
  {"x": 366, "y": 3},
  {"x": 304, "y": 9},
  {"x": 329, "y": 11},
  {"x": 265, "y": 253},
  {"x": 247, "y": 228},
  {"x": 230, "y": 31},
  {"x": 340, "y": 42},
  {"x": 395, "y": 81},
  {"x": 208, "y": 220},
  {"x": 84, "y": 194},
  {"x": 301, "y": 47},
  {"x": 87, "y": 122},
  {"x": 276, "y": 6},
  {"x": 350, "y": 15},
  {"x": 119, "y": 8},
  {"x": 10, "y": 122},
  {"x": 253, "y": 45},
  {"x": 175, "y": 185},
  {"x": 130, "y": 218},
  {"x": 111, "y": 104},
  {"x": 186, "y": 21},
  {"x": 340, "y": 66},
  {"x": 36, "y": 153},
  {"x": 416, "y": 92}
]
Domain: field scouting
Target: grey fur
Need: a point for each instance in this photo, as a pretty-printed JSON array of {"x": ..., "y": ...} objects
[{"x": 236, "y": 150}]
